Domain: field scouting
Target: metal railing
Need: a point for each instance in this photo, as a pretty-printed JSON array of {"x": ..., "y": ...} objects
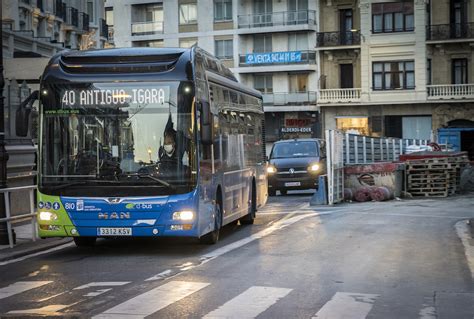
[
  {"x": 269, "y": 19},
  {"x": 450, "y": 31},
  {"x": 287, "y": 98},
  {"x": 339, "y": 95},
  {"x": 9, "y": 220},
  {"x": 307, "y": 57},
  {"x": 360, "y": 149},
  {"x": 450, "y": 91},
  {"x": 338, "y": 38},
  {"x": 146, "y": 28}
]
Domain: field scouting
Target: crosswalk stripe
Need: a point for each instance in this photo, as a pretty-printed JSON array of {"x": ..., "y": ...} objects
[
  {"x": 152, "y": 301},
  {"x": 20, "y": 286},
  {"x": 250, "y": 303},
  {"x": 347, "y": 305}
]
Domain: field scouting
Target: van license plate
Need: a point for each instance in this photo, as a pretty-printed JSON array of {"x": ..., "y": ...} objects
[
  {"x": 293, "y": 184},
  {"x": 116, "y": 231}
]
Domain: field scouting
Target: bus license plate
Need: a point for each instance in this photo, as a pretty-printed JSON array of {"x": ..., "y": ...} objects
[
  {"x": 114, "y": 231},
  {"x": 293, "y": 184}
]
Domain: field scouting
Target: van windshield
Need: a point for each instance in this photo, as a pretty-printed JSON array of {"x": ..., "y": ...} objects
[{"x": 295, "y": 149}]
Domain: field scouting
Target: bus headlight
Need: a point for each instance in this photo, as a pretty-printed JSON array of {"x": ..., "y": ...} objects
[
  {"x": 313, "y": 168},
  {"x": 47, "y": 216},
  {"x": 271, "y": 169},
  {"x": 183, "y": 215}
]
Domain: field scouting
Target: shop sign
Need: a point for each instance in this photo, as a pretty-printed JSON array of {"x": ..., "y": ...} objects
[
  {"x": 273, "y": 57},
  {"x": 296, "y": 130}
]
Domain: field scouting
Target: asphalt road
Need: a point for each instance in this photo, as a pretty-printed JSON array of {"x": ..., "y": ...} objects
[{"x": 400, "y": 259}]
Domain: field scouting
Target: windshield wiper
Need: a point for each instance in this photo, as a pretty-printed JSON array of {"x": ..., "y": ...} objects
[
  {"x": 162, "y": 182},
  {"x": 64, "y": 185}
]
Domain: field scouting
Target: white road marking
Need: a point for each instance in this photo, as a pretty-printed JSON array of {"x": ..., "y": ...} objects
[
  {"x": 463, "y": 231},
  {"x": 97, "y": 292},
  {"x": 265, "y": 232},
  {"x": 51, "y": 310},
  {"x": 51, "y": 297},
  {"x": 102, "y": 283},
  {"x": 152, "y": 301},
  {"x": 428, "y": 312},
  {"x": 344, "y": 305},
  {"x": 161, "y": 275},
  {"x": 250, "y": 303},
  {"x": 36, "y": 254},
  {"x": 21, "y": 286}
]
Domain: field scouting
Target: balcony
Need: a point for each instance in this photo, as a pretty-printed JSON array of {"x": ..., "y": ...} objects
[
  {"x": 450, "y": 91},
  {"x": 277, "y": 19},
  {"x": 147, "y": 28},
  {"x": 277, "y": 58},
  {"x": 330, "y": 96},
  {"x": 85, "y": 21},
  {"x": 338, "y": 38},
  {"x": 104, "y": 29},
  {"x": 281, "y": 99},
  {"x": 453, "y": 31}
]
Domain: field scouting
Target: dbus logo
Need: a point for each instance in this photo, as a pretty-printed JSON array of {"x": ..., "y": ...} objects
[{"x": 114, "y": 215}]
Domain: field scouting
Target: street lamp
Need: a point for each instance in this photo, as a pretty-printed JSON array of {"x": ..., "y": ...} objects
[{"x": 3, "y": 153}]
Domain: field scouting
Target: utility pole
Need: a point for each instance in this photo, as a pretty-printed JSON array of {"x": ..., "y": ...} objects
[{"x": 3, "y": 152}]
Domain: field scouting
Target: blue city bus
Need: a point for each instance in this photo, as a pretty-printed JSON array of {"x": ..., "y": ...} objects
[{"x": 146, "y": 142}]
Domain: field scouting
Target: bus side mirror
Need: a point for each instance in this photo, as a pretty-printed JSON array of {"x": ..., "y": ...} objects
[
  {"x": 206, "y": 125},
  {"x": 22, "y": 117}
]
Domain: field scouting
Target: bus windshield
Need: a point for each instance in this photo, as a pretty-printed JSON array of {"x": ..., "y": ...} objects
[{"x": 117, "y": 138}]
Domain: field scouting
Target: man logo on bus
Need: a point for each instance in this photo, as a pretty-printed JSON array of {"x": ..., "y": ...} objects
[{"x": 114, "y": 215}]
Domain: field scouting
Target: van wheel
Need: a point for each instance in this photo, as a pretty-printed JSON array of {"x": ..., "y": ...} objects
[
  {"x": 213, "y": 237},
  {"x": 84, "y": 241},
  {"x": 250, "y": 217}
]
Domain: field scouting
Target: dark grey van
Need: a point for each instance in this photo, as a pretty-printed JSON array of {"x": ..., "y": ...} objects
[{"x": 296, "y": 165}]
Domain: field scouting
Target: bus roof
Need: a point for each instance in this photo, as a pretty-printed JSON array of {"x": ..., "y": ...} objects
[{"x": 130, "y": 63}]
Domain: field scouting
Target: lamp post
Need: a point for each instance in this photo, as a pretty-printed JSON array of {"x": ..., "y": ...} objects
[{"x": 3, "y": 152}]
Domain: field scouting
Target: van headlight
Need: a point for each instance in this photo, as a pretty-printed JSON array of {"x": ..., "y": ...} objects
[
  {"x": 271, "y": 169},
  {"x": 313, "y": 167},
  {"x": 183, "y": 215},
  {"x": 47, "y": 216}
]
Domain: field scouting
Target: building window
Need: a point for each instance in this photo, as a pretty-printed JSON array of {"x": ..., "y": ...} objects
[
  {"x": 262, "y": 43},
  {"x": 298, "y": 82},
  {"x": 90, "y": 11},
  {"x": 263, "y": 83},
  {"x": 297, "y": 41},
  {"x": 224, "y": 49},
  {"x": 392, "y": 17},
  {"x": 187, "y": 43},
  {"x": 428, "y": 72},
  {"x": 149, "y": 44},
  {"x": 109, "y": 16},
  {"x": 222, "y": 10},
  {"x": 459, "y": 71},
  {"x": 393, "y": 75},
  {"x": 188, "y": 13}
]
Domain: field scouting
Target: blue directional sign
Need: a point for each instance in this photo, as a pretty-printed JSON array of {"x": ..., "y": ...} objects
[{"x": 273, "y": 57}]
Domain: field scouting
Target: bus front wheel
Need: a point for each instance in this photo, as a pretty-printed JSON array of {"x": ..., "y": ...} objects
[
  {"x": 85, "y": 241},
  {"x": 212, "y": 237},
  {"x": 250, "y": 217}
]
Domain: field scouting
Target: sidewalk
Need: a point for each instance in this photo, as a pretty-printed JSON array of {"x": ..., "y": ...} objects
[{"x": 25, "y": 246}]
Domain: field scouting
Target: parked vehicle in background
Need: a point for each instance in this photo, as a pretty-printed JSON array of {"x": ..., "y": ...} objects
[{"x": 296, "y": 165}]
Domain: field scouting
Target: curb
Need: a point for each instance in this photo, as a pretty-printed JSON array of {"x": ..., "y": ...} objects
[{"x": 32, "y": 247}]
